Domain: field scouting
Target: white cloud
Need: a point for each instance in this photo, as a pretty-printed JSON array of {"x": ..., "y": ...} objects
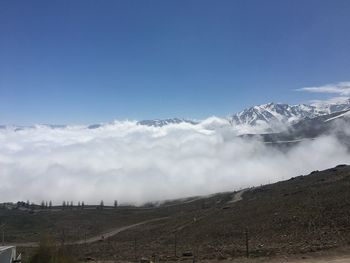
[
  {"x": 135, "y": 163},
  {"x": 340, "y": 88},
  {"x": 331, "y": 101}
]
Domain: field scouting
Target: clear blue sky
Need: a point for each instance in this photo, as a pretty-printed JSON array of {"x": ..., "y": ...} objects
[{"x": 93, "y": 61}]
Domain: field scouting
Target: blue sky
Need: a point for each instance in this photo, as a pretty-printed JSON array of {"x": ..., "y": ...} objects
[{"x": 95, "y": 61}]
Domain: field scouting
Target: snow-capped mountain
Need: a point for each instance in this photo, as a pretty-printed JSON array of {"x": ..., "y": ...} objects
[
  {"x": 332, "y": 105},
  {"x": 278, "y": 113},
  {"x": 163, "y": 122},
  {"x": 334, "y": 123}
]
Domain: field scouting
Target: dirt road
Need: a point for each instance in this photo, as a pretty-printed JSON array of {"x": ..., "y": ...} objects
[
  {"x": 96, "y": 238},
  {"x": 237, "y": 196},
  {"x": 113, "y": 232}
]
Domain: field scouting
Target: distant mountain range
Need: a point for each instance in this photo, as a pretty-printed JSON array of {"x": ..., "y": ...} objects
[
  {"x": 163, "y": 122},
  {"x": 286, "y": 114},
  {"x": 269, "y": 115}
]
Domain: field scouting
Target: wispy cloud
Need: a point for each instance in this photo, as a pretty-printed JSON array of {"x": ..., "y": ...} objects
[
  {"x": 341, "y": 88},
  {"x": 330, "y": 101}
]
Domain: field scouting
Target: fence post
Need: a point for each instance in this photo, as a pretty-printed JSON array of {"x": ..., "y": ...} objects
[
  {"x": 246, "y": 232},
  {"x": 135, "y": 249},
  {"x": 175, "y": 244}
]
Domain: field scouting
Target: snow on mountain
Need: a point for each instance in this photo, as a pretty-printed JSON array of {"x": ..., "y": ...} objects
[
  {"x": 332, "y": 105},
  {"x": 164, "y": 122},
  {"x": 276, "y": 114},
  {"x": 345, "y": 114}
]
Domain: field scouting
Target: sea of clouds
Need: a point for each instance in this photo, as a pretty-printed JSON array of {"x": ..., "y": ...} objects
[{"x": 135, "y": 163}]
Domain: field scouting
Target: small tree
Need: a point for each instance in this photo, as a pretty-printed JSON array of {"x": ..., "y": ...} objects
[
  {"x": 115, "y": 203},
  {"x": 82, "y": 205},
  {"x": 64, "y": 204},
  {"x": 50, "y": 204},
  {"x": 101, "y": 204},
  {"x": 42, "y": 204}
]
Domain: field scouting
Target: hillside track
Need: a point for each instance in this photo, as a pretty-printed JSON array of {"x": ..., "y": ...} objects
[{"x": 99, "y": 237}]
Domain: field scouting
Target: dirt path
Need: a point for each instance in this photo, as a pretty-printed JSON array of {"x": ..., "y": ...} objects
[
  {"x": 113, "y": 232},
  {"x": 238, "y": 196},
  {"x": 96, "y": 238}
]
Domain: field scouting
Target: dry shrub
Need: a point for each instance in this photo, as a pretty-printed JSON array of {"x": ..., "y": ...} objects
[{"x": 49, "y": 252}]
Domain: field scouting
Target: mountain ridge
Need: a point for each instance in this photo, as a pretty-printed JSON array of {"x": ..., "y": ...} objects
[
  {"x": 271, "y": 115},
  {"x": 282, "y": 113}
]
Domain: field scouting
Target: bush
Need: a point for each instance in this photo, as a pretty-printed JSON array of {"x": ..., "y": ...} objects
[{"x": 49, "y": 252}]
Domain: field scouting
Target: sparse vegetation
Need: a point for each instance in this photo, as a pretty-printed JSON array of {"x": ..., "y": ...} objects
[{"x": 49, "y": 252}]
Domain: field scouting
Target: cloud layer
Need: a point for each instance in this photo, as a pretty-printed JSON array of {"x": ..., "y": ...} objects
[
  {"x": 136, "y": 163},
  {"x": 340, "y": 88}
]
